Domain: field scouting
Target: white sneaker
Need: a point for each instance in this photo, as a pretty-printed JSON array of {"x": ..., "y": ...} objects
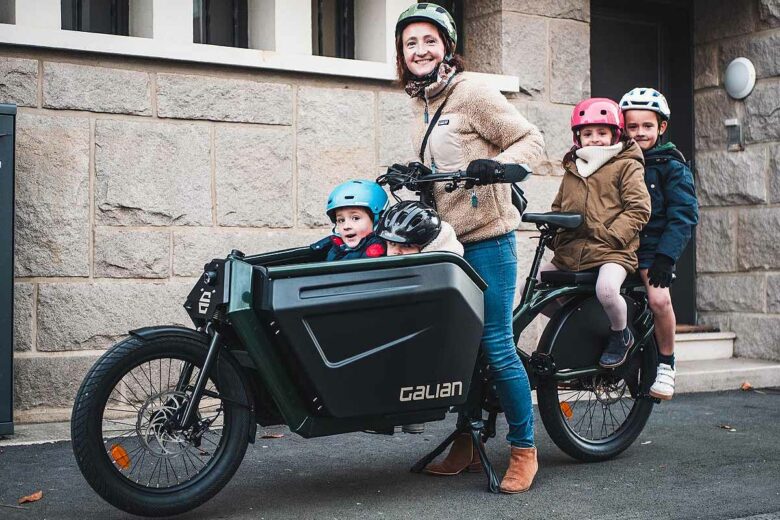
[{"x": 663, "y": 387}]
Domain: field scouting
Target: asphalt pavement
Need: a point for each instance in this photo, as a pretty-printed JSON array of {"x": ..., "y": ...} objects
[{"x": 685, "y": 465}]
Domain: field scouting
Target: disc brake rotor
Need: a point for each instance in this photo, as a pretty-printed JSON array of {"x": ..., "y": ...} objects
[{"x": 154, "y": 424}]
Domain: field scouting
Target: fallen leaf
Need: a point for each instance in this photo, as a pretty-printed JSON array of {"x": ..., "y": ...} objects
[
  {"x": 272, "y": 436},
  {"x": 31, "y": 498},
  {"x": 746, "y": 386}
]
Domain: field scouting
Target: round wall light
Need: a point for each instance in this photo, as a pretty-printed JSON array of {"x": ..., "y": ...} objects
[{"x": 740, "y": 78}]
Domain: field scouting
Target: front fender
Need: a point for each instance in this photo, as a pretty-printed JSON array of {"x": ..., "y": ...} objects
[{"x": 147, "y": 333}]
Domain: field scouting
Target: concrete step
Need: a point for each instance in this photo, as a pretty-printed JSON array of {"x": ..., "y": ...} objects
[
  {"x": 703, "y": 345},
  {"x": 725, "y": 374}
]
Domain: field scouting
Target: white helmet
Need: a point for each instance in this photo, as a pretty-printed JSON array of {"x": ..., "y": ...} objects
[{"x": 645, "y": 98}]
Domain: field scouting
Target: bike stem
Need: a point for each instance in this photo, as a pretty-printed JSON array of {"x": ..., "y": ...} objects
[{"x": 192, "y": 405}]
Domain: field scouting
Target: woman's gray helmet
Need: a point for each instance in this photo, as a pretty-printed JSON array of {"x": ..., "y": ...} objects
[{"x": 431, "y": 13}]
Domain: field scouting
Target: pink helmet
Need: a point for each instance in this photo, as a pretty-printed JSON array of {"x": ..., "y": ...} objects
[{"x": 597, "y": 111}]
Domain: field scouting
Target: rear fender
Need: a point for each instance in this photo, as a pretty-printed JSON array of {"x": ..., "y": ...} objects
[
  {"x": 576, "y": 336},
  {"x": 149, "y": 333}
]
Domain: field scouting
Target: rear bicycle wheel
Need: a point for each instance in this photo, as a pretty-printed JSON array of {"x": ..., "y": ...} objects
[
  {"x": 595, "y": 418},
  {"x": 124, "y": 426}
]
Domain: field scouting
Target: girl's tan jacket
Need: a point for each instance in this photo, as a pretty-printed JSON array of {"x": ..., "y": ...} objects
[
  {"x": 477, "y": 122},
  {"x": 615, "y": 205}
]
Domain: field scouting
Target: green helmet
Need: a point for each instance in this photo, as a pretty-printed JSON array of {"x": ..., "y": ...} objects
[{"x": 431, "y": 13}]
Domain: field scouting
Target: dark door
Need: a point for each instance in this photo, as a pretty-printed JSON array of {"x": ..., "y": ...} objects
[
  {"x": 650, "y": 45},
  {"x": 7, "y": 129}
]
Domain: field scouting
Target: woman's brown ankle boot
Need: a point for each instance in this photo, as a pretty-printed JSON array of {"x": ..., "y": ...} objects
[
  {"x": 461, "y": 457},
  {"x": 522, "y": 469}
]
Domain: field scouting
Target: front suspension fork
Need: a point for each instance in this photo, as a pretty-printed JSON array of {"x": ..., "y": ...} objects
[{"x": 188, "y": 417}]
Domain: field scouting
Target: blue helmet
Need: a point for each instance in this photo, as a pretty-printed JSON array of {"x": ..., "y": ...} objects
[{"x": 365, "y": 194}]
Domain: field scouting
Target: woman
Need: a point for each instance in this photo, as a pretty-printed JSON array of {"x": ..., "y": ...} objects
[{"x": 476, "y": 128}]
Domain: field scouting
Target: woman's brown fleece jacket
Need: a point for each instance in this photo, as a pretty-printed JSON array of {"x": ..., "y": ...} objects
[{"x": 477, "y": 122}]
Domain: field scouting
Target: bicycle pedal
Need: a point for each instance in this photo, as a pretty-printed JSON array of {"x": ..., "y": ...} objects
[{"x": 542, "y": 364}]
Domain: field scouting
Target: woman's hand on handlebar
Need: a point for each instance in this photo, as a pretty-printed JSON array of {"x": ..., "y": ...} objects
[{"x": 484, "y": 171}]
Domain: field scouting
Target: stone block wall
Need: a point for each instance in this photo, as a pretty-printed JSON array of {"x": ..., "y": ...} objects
[
  {"x": 131, "y": 174},
  {"x": 738, "y": 257}
]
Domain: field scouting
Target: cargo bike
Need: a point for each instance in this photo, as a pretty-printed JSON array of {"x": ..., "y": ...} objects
[{"x": 162, "y": 420}]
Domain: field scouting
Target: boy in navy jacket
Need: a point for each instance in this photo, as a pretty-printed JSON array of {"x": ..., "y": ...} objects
[{"x": 673, "y": 215}]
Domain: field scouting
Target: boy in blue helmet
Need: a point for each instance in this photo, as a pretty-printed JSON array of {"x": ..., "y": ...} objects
[
  {"x": 675, "y": 210},
  {"x": 354, "y": 207}
]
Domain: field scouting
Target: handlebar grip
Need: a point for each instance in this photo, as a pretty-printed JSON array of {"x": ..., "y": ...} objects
[{"x": 516, "y": 172}]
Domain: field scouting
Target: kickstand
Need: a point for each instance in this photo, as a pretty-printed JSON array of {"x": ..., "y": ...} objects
[{"x": 476, "y": 429}]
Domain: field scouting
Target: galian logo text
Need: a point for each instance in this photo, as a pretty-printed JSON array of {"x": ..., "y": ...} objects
[{"x": 437, "y": 391}]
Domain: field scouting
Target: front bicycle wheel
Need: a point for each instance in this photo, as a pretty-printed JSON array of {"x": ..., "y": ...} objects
[
  {"x": 595, "y": 418},
  {"x": 125, "y": 426}
]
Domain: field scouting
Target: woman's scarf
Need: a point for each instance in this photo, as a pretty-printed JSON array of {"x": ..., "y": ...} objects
[{"x": 433, "y": 83}]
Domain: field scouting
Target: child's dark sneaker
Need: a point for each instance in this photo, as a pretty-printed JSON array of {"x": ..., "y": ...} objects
[
  {"x": 617, "y": 348},
  {"x": 663, "y": 387}
]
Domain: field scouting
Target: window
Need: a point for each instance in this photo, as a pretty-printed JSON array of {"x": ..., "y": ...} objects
[
  {"x": 455, "y": 7},
  {"x": 333, "y": 28},
  {"x": 7, "y": 11},
  {"x": 98, "y": 16},
  {"x": 220, "y": 22}
]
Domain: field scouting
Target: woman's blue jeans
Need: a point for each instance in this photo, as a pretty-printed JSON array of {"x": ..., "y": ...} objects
[{"x": 495, "y": 260}]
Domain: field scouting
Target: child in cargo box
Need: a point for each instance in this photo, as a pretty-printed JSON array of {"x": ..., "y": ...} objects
[
  {"x": 413, "y": 227},
  {"x": 354, "y": 207}
]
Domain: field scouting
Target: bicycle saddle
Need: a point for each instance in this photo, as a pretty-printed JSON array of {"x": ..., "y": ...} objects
[
  {"x": 585, "y": 277},
  {"x": 555, "y": 220}
]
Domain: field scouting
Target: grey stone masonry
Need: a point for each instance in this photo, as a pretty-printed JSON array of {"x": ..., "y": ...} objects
[
  {"x": 49, "y": 381},
  {"x": 194, "y": 247},
  {"x": 23, "y": 316},
  {"x": 254, "y": 176},
  {"x": 769, "y": 12},
  {"x": 760, "y": 48},
  {"x": 540, "y": 190},
  {"x": 152, "y": 174},
  {"x": 737, "y": 236},
  {"x": 774, "y": 173},
  {"x": 712, "y": 108},
  {"x": 705, "y": 58},
  {"x": 773, "y": 293},
  {"x": 203, "y": 97},
  {"x": 335, "y": 143},
  {"x": 553, "y": 122},
  {"x": 756, "y": 248},
  {"x": 19, "y": 81},
  {"x": 395, "y": 117},
  {"x": 757, "y": 335},
  {"x": 485, "y": 54},
  {"x": 716, "y": 241},
  {"x": 525, "y": 46},
  {"x": 726, "y": 178},
  {"x": 95, "y": 315},
  {"x": 570, "y": 9},
  {"x": 126, "y": 253},
  {"x": 98, "y": 89},
  {"x": 569, "y": 61},
  {"x": 731, "y": 292},
  {"x": 714, "y": 19},
  {"x": 52, "y": 196},
  {"x": 762, "y": 113}
]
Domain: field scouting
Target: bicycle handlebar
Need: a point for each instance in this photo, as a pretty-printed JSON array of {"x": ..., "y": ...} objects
[{"x": 417, "y": 174}]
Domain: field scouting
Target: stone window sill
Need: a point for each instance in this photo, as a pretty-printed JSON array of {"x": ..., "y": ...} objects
[{"x": 212, "y": 54}]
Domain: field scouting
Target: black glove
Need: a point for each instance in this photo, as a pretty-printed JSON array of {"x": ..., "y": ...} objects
[
  {"x": 484, "y": 170},
  {"x": 661, "y": 273}
]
